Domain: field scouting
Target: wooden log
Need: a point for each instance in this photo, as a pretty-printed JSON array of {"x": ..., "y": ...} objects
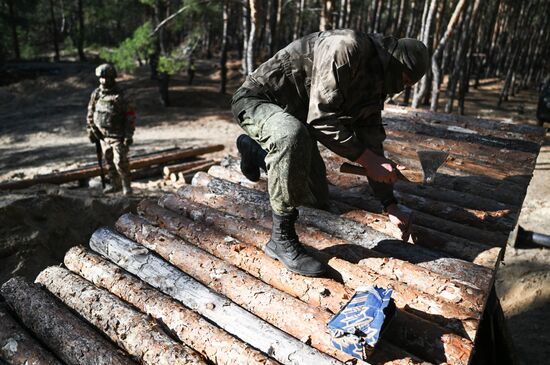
[
  {"x": 478, "y": 252},
  {"x": 456, "y": 163},
  {"x": 170, "y": 169},
  {"x": 88, "y": 172},
  {"x": 499, "y": 221},
  {"x": 130, "y": 329},
  {"x": 233, "y": 174},
  {"x": 67, "y": 336},
  {"x": 427, "y": 344},
  {"x": 212, "y": 342},
  {"x": 320, "y": 292},
  {"x": 216, "y": 196},
  {"x": 464, "y": 135},
  {"x": 446, "y": 308},
  {"x": 268, "y": 303},
  {"x": 18, "y": 346},
  {"x": 138, "y": 260},
  {"x": 469, "y": 124}
]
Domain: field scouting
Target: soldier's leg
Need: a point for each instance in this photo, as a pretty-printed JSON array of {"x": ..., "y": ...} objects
[
  {"x": 107, "y": 147},
  {"x": 318, "y": 178},
  {"x": 120, "y": 160},
  {"x": 289, "y": 151}
]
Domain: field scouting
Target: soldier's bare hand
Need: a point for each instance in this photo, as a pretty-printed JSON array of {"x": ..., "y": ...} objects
[{"x": 378, "y": 167}]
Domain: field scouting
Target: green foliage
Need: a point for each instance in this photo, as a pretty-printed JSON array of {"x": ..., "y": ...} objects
[
  {"x": 171, "y": 65},
  {"x": 137, "y": 47}
]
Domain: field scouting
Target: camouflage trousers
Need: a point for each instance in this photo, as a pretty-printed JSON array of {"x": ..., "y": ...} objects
[
  {"x": 295, "y": 169},
  {"x": 115, "y": 154}
]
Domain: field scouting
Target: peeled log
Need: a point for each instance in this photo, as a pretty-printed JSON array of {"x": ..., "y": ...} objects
[
  {"x": 18, "y": 347},
  {"x": 138, "y": 260},
  {"x": 217, "y": 345},
  {"x": 448, "y": 308},
  {"x": 226, "y": 196},
  {"x": 88, "y": 172},
  {"x": 130, "y": 329},
  {"x": 169, "y": 169},
  {"x": 70, "y": 338},
  {"x": 427, "y": 335}
]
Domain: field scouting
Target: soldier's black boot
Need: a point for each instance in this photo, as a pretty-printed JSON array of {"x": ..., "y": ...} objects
[
  {"x": 252, "y": 157},
  {"x": 285, "y": 246}
]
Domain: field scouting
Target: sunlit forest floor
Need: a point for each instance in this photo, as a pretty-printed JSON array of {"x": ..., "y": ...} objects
[{"x": 42, "y": 129}]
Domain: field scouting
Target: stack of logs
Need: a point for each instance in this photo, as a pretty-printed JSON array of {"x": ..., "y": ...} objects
[
  {"x": 174, "y": 164},
  {"x": 186, "y": 281}
]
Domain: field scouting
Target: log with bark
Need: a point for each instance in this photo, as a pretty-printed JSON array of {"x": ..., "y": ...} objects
[
  {"x": 129, "y": 328},
  {"x": 234, "y": 199},
  {"x": 483, "y": 126},
  {"x": 429, "y": 336},
  {"x": 138, "y": 260},
  {"x": 212, "y": 342},
  {"x": 88, "y": 172},
  {"x": 268, "y": 303},
  {"x": 447, "y": 307},
  {"x": 441, "y": 238},
  {"x": 174, "y": 169},
  {"x": 18, "y": 347},
  {"x": 70, "y": 338}
]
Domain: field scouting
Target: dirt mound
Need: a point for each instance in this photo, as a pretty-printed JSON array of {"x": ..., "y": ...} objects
[{"x": 38, "y": 225}]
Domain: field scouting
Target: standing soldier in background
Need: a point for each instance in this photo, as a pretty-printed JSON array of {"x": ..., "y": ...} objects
[{"x": 111, "y": 120}]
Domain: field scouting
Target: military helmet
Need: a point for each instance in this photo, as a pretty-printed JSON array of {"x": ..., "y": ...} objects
[{"x": 106, "y": 70}]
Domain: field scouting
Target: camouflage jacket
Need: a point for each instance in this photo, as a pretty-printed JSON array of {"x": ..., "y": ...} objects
[
  {"x": 330, "y": 80},
  {"x": 110, "y": 113}
]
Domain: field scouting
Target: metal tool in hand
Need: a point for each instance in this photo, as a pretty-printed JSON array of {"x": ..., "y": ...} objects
[{"x": 430, "y": 161}]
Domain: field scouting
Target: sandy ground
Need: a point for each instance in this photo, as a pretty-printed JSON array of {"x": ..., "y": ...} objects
[{"x": 42, "y": 125}]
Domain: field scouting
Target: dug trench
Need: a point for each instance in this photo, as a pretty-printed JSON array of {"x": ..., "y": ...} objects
[{"x": 38, "y": 225}]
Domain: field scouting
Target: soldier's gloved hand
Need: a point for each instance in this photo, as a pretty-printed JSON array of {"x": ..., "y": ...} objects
[
  {"x": 128, "y": 141},
  {"x": 92, "y": 137}
]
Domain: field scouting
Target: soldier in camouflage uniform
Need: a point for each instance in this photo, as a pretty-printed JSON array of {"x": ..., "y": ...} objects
[
  {"x": 327, "y": 87},
  {"x": 111, "y": 120}
]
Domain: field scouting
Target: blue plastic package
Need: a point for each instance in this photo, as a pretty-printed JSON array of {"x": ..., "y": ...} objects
[{"x": 356, "y": 328}]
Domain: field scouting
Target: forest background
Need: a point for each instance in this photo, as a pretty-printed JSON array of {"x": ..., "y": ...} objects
[{"x": 469, "y": 40}]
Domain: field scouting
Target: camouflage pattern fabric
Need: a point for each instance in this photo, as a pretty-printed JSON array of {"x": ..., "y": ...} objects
[
  {"x": 115, "y": 153},
  {"x": 114, "y": 118},
  {"x": 326, "y": 87}
]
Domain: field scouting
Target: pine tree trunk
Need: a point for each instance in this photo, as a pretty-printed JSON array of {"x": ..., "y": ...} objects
[
  {"x": 13, "y": 26},
  {"x": 223, "y": 56},
  {"x": 325, "y": 20},
  {"x": 81, "y": 31},
  {"x": 55, "y": 35},
  {"x": 246, "y": 33},
  {"x": 436, "y": 68}
]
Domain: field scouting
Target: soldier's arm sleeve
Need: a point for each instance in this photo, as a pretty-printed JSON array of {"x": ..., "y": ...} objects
[
  {"x": 91, "y": 110},
  {"x": 129, "y": 118},
  {"x": 371, "y": 132},
  {"x": 331, "y": 73}
]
